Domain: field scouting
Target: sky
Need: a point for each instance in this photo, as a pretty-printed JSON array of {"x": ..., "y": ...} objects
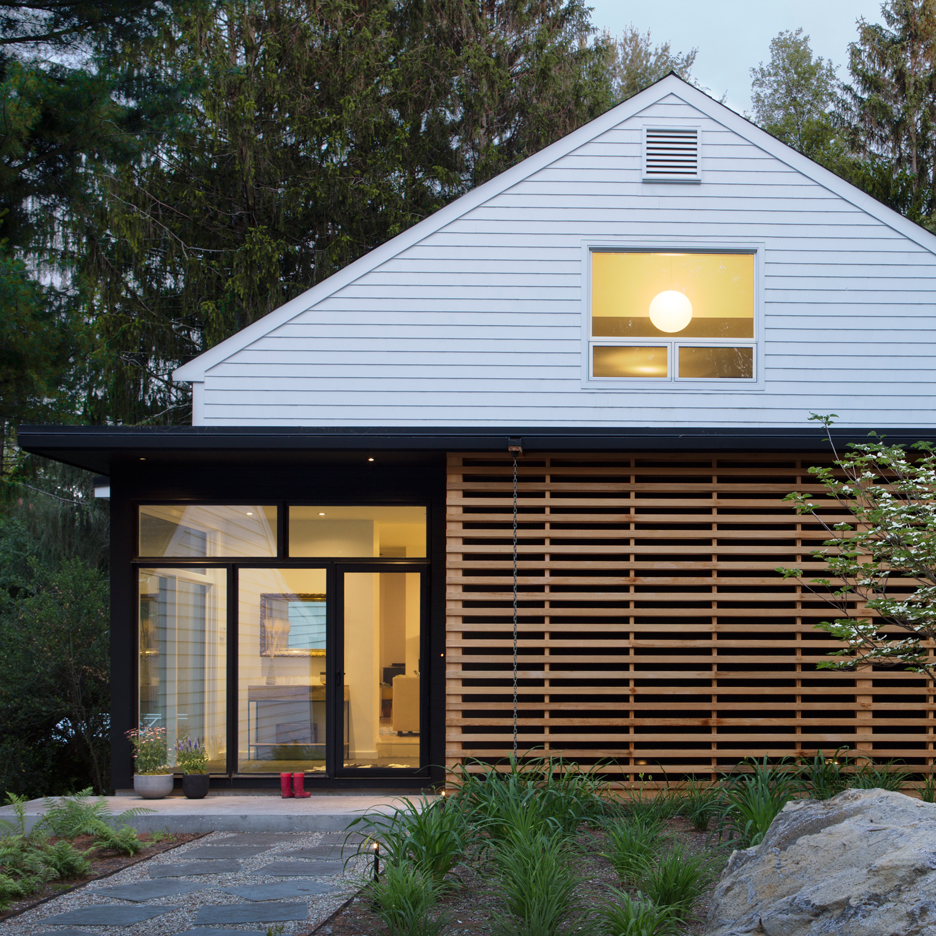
[{"x": 733, "y": 36}]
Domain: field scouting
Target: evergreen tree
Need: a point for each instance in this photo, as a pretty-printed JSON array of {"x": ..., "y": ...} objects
[
  {"x": 889, "y": 108},
  {"x": 320, "y": 129}
]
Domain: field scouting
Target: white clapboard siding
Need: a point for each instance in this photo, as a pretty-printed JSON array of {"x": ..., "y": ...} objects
[{"x": 476, "y": 316}]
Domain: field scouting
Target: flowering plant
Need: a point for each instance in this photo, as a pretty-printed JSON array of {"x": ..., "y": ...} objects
[
  {"x": 149, "y": 750},
  {"x": 191, "y": 756}
]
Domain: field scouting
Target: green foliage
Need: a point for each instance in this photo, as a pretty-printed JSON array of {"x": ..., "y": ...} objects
[
  {"x": 676, "y": 880},
  {"x": 753, "y": 798},
  {"x": 403, "y": 899},
  {"x": 928, "y": 789},
  {"x": 65, "y": 860},
  {"x": 536, "y": 884},
  {"x": 431, "y": 836},
  {"x": 545, "y": 794},
  {"x": 699, "y": 802},
  {"x": 632, "y": 843},
  {"x": 150, "y": 755},
  {"x": 71, "y": 816},
  {"x": 191, "y": 756},
  {"x": 54, "y": 681},
  {"x": 871, "y": 776},
  {"x": 636, "y": 916},
  {"x": 823, "y": 777},
  {"x": 888, "y": 109},
  {"x": 635, "y": 63},
  {"x": 793, "y": 97},
  {"x": 887, "y": 496}
]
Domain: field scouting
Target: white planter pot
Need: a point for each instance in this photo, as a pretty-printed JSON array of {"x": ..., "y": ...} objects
[{"x": 152, "y": 786}]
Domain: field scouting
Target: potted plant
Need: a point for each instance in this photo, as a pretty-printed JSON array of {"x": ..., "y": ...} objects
[
  {"x": 152, "y": 776},
  {"x": 192, "y": 760}
]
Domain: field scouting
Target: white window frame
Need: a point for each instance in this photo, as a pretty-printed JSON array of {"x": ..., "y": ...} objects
[{"x": 672, "y": 383}]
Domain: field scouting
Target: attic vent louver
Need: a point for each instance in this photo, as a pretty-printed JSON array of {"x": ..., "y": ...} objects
[{"x": 671, "y": 154}]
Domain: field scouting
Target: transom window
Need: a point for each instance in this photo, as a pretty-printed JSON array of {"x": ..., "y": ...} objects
[{"x": 669, "y": 316}]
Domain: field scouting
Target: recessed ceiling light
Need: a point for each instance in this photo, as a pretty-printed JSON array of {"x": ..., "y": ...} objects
[
  {"x": 370, "y": 459},
  {"x": 321, "y": 514},
  {"x": 249, "y": 513},
  {"x": 143, "y": 459}
]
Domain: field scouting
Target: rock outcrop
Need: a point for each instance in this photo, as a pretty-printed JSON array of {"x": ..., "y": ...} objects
[{"x": 860, "y": 864}]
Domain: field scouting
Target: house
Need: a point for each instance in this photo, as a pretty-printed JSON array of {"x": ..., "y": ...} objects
[{"x": 321, "y": 572}]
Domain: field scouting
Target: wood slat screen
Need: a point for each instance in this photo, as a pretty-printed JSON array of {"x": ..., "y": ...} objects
[{"x": 653, "y": 629}]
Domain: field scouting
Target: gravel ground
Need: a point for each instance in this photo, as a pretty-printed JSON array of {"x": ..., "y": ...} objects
[{"x": 182, "y": 918}]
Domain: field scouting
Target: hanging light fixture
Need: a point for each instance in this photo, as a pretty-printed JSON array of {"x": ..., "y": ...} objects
[{"x": 670, "y": 311}]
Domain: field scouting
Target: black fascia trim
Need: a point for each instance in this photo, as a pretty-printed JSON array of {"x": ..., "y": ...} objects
[{"x": 100, "y": 444}]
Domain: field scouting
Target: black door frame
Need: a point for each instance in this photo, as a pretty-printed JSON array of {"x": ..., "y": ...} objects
[{"x": 341, "y": 568}]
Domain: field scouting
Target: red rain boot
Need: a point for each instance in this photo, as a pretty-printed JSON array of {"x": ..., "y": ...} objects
[
  {"x": 299, "y": 786},
  {"x": 286, "y": 785}
]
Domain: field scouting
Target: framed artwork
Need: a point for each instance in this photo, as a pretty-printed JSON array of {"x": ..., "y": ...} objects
[{"x": 292, "y": 625}]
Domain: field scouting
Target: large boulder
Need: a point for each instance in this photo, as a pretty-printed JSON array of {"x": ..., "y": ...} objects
[{"x": 860, "y": 864}]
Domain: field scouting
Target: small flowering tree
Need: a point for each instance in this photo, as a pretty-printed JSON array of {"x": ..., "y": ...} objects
[{"x": 885, "y": 561}]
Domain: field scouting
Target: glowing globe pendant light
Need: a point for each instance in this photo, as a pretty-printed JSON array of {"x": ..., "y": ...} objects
[{"x": 670, "y": 311}]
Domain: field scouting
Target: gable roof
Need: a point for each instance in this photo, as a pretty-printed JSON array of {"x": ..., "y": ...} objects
[{"x": 672, "y": 85}]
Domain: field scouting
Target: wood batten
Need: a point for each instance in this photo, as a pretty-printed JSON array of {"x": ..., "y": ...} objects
[{"x": 654, "y": 629}]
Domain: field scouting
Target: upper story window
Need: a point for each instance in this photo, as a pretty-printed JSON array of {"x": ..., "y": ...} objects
[{"x": 672, "y": 316}]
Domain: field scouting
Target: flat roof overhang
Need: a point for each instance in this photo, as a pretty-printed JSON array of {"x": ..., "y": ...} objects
[{"x": 101, "y": 448}]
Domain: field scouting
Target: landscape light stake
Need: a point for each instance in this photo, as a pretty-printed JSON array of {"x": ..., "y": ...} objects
[{"x": 376, "y": 861}]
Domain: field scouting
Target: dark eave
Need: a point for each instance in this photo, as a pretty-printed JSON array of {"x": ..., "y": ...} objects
[{"x": 101, "y": 448}]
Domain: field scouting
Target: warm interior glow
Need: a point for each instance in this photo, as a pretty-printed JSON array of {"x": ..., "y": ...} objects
[
  {"x": 670, "y": 311},
  {"x": 718, "y": 286}
]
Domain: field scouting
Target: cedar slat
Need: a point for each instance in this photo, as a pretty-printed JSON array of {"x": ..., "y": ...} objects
[{"x": 696, "y": 676}]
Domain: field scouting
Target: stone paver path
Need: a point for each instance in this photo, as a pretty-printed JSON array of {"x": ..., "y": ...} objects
[{"x": 222, "y": 885}]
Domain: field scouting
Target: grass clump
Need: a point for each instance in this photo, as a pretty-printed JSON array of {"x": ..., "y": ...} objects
[
  {"x": 403, "y": 898},
  {"x": 543, "y": 792},
  {"x": 636, "y": 916},
  {"x": 424, "y": 833},
  {"x": 632, "y": 843},
  {"x": 676, "y": 880},
  {"x": 537, "y": 887},
  {"x": 753, "y": 799}
]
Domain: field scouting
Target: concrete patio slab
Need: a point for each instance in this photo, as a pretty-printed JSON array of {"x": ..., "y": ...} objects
[
  {"x": 222, "y": 914},
  {"x": 236, "y": 813}
]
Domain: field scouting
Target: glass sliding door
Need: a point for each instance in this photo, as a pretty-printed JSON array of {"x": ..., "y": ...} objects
[
  {"x": 182, "y": 653},
  {"x": 282, "y": 711},
  {"x": 382, "y": 682}
]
